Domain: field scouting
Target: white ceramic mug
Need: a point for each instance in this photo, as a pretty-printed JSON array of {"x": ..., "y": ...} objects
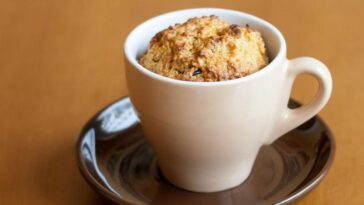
[{"x": 206, "y": 135}]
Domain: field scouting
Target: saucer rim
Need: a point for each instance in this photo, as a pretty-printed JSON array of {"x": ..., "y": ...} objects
[{"x": 294, "y": 196}]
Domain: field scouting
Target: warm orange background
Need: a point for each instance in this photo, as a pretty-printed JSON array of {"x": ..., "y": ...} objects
[{"x": 61, "y": 61}]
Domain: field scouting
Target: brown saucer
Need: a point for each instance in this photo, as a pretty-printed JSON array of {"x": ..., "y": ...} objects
[{"x": 117, "y": 161}]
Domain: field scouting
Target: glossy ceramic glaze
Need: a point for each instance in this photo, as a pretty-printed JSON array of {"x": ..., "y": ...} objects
[
  {"x": 117, "y": 161},
  {"x": 207, "y": 135}
]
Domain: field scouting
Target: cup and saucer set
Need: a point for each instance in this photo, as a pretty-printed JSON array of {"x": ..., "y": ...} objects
[{"x": 218, "y": 143}]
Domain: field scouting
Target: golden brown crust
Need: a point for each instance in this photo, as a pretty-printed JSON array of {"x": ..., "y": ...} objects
[{"x": 205, "y": 49}]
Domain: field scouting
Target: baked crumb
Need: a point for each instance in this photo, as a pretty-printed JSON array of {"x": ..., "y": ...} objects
[{"x": 205, "y": 49}]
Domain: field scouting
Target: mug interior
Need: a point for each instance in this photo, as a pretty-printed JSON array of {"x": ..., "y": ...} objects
[{"x": 138, "y": 40}]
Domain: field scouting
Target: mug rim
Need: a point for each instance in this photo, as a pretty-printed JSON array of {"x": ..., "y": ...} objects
[{"x": 132, "y": 60}]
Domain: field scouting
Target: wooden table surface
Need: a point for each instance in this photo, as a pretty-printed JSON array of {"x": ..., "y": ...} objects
[{"x": 61, "y": 61}]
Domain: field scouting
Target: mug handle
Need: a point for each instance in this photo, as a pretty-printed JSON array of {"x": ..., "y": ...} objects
[{"x": 291, "y": 118}]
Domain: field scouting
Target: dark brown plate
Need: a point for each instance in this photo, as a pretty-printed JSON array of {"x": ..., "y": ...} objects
[{"x": 117, "y": 161}]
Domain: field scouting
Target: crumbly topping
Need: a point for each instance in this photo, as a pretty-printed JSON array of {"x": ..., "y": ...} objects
[{"x": 205, "y": 49}]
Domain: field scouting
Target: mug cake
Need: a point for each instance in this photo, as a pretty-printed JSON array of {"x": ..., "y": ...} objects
[{"x": 206, "y": 49}]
